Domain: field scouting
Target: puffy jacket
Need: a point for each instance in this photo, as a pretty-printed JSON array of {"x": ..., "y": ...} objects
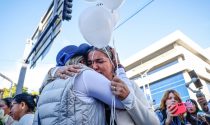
[{"x": 58, "y": 105}]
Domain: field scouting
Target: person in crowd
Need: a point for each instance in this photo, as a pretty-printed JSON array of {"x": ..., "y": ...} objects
[
  {"x": 194, "y": 114},
  {"x": 103, "y": 61},
  {"x": 5, "y": 104},
  {"x": 22, "y": 108},
  {"x": 166, "y": 112},
  {"x": 204, "y": 104},
  {"x": 77, "y": 99}
]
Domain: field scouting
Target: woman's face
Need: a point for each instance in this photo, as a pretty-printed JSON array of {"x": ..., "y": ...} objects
[
  {"x": 16, "y": 110},
  {"x": 4, "y": 107},
  {"x": 192, "y": 109},
  {"x": 100, "y": 63},
  {"x": 171, "y": 100}
]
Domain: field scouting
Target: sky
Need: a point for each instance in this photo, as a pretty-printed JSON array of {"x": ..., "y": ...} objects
[{"x": 20, "y": 18}]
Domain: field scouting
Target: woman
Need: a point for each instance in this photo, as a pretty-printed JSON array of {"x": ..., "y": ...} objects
[
  {"x": 138, "y": 110},
  {"x": 166, "y": 113},
  {"x": 193, "y": 114},
  {"x": 5, "y": 104},
  {"x": 103, "y": 61},
  {"x": 22, "y": 109}
]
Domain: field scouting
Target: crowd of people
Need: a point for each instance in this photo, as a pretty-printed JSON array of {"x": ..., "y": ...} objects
[
  {"x": 89, "y": 86},
  {"x": 18, "y": 110}
]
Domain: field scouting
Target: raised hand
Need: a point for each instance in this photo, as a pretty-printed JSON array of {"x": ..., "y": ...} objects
[
  {"x": 65, "y": 71},
  {"x": 119, "y": 88},
  {"x": 203, "y": 103},
  {"x": 171, "y": 109}
]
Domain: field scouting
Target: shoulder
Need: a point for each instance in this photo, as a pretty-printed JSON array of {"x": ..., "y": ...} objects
[
  {"x": 27, "y": 119},
  {"x": 160, "y": 113},
  {"x": 10, "y": 120}
]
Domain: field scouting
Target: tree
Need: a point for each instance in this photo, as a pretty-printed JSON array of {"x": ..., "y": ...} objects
[{"x": 7, "y": 91}]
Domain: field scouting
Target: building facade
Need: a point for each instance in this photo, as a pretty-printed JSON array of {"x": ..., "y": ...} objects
[{"x": 166, "y": 65}]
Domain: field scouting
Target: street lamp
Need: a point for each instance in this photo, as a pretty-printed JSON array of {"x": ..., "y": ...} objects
[{"x": 8, "y": 79}]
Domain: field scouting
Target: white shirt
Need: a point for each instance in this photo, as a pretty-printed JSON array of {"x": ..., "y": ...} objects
[{"x": 27, "y": 119}]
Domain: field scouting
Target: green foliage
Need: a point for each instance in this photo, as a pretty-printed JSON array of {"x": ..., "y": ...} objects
[
  {"x": 7, "y": 91},
  {"x": 34, "y": 93},
  {"x": 1, "y": 123}
]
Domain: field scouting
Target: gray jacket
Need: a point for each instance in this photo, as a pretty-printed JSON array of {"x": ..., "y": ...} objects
[
  {"x": 139, "y": 113},
  {"x": 58, "y": 105}
]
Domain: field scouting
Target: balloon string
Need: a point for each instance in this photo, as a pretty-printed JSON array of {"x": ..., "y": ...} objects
[
  {"x": 112, "y": 119},
  {"x": 93, "y": 56},
  {"x": 116, "y": 57},
  {"x": 108, "y": 56}
]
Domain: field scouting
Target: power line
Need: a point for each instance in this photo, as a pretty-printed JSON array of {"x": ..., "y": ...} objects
[
  {"x": 18, "y": 61},
  {"x": 7, "y": 60},
  {"x": 134, "y": 14}
]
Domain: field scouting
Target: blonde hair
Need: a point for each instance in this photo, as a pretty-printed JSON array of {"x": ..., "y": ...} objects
[
  {"x": 165, "y": 97},
  {"x": 74, "y": 60},
  {"x": 106, "y": 50}
]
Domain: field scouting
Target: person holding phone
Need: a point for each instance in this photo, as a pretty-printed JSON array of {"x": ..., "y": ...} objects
[
  {"x": 205, "y": 105},
  {"x": 194, "y": 114},
  {"x": 168, "y": 108}
]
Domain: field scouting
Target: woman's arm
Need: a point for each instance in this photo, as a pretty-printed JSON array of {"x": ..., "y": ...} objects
[
  {"x": 98, "y": 86},
  {"x": 135, "y": 102}
]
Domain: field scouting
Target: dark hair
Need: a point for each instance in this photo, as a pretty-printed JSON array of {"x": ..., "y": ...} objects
[
  {"x": 195, "y": 103},
  {"x": 189, "y": 117},
  {"x": 28, "y": 99},
  {"x": 7, "y": 101}
]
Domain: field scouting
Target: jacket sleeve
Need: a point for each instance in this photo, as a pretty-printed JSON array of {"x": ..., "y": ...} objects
[{"x": 139, "y": 109}]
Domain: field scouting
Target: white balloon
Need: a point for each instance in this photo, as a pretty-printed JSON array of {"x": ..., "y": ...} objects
[
  {"x": 112, "y": 4},
  {"x": 96, "y": 26},
  {"x": 115, "y": 17}
]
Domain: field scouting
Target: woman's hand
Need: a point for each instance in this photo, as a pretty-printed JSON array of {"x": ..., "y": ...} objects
[
  {"x": 202, "y": 102},
  {"x": 119, "y": 88},
  {"x": 203, "y": 119},
  {"x": 65, "y": 71},
  {"x": 170, "y": 113}
]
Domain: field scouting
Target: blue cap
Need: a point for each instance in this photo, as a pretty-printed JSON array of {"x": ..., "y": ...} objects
[
  {"x": 70, "y": 51},
  {"x": 83, "y": 49}
]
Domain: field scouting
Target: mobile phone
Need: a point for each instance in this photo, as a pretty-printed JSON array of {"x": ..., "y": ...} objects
[{"x": 181, "y": 108}]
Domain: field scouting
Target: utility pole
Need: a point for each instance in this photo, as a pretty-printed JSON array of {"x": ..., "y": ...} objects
[
  {"x": 23, "y": 69},
  {"x": 43, "y": 37}
]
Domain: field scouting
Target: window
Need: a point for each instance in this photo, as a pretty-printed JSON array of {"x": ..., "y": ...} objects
[{"x": 175, "y": 82}]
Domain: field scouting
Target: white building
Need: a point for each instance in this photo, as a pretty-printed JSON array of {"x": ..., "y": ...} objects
[{"x": 165, "y": 65}]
